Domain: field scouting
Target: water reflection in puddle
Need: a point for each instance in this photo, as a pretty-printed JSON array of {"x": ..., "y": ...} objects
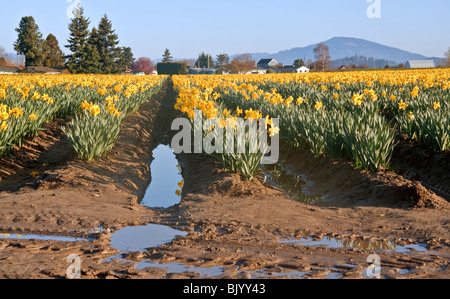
[
  {"x": 139, "y": 238},
  {"x": 215, "y": 271},
  {"x": 291, "y": 183},
  {"x": 41, "y": 237},
  {"x": 360, "y": 244},
  {"x": 164, "y": 191},
  {"x": 182, "y": 268},
  {"x": 167, "y": 182}
]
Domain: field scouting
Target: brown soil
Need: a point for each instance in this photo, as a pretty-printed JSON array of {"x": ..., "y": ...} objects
[{"x": 232, "y": 223}]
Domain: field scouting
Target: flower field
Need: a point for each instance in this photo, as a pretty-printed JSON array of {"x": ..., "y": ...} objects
[
  {"x": 351, "y": 114},
  {"x": 393, "y": 123},
  {"x": 94, "y": 104}
]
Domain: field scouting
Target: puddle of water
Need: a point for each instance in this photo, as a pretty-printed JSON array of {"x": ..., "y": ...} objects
[
  {"x": 139, "y": 238},
  {"x": 215, "y": 271},
  {"x": 41, "y": 237},
  {"x": 182, "y": 268},
  {"x": 293, "y": 184},
  {"x": 357, "y": 244},
  {"x": 258, "y": 274},
  {"x": 164, "y": 191},
  {"x": 167, "y": 182}
]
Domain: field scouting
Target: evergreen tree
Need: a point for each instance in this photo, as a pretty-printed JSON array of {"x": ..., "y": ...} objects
[
  {"x": 91, "y": 62},
  {"x": 167, "y": 57},
  {"x": 124, "y": 61},
  {"x": 204, "y": 61},
  {"x": 222, "y": 62},
  {"x": 78, "y": 41},
  {"x": 299, "y": 63},
  {"x": 53, "y": 55},
  {"x": 29, "y": 42},
  {"x": 107, "y": 46}
]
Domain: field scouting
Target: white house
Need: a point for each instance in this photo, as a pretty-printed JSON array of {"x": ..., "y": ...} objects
[
  {"x": 303, "y": 69},
  {"x": 420, "y": 64},
  {"x": 258, "y": 70},
  {"x": 292, "y": 69},
  {"x": 9, "y": 70}
]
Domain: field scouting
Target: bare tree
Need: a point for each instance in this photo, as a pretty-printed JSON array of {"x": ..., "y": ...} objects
[
  {"x": 323, "y": 58},
  {"x": 2, "y": 52},
  {"x": 448, "y": 57},
  {"x": 242, "y": 64}
]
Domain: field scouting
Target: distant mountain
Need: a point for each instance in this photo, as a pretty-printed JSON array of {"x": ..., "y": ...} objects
[
  {"x": 362, "y": 61},
  {"x": 344, "y": 48}
]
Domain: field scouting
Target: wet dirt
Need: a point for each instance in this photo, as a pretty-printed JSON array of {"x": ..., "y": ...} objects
[{"x": 233, "y": 225}]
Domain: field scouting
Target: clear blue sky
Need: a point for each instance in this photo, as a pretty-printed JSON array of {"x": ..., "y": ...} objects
[{"x": 189, "y": 27}]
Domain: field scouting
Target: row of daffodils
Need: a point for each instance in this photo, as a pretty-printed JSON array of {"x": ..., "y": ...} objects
[
  {"x": 347, "y": 114},
  {"x": 95, "y": 105}
]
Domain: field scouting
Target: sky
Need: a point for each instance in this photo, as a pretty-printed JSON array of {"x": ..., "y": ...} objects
[{"x": 188, "y": 28}]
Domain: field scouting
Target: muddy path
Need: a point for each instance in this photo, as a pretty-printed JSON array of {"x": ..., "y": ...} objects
[{"x": 236, "y": 228}]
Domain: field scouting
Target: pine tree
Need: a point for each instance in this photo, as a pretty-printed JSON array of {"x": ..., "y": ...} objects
[
  {"x": 91, "y": 63},
  {"x": 107, "y": 46},
  {"x": 204, "y": 61},
  {"x": 124, "y": 61},
  {"x": 167, "y": 57},
  {"x": 53, "y": 55},
  {"x": 29, "y": 42},
  {"x": 78, "y": 40},
  {"x": 222, "y": 62},
  {"x": 299, "y": 63}
]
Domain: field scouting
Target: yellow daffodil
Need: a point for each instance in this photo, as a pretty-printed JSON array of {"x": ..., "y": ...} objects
[
  {"x": 318, "y": 106},
  {"x": 273, "y": 131},
  {"x": 36, "y": 96},
  {"x": 402, "y": 105},
  {"x": 3, "y": 126},
  {"x": 95, "y": 110},
  {"x": 415, "y": 92}
]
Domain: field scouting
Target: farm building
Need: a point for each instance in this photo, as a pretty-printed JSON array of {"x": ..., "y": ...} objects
[
  {"x": 292, "y": 69},
  {"x": 127, "y": 72},
  {"x": 420, "y": 64},
  {"x": 44, "y": 70},
  {"x": 267, "y": 63},
  {"x": 9, "y": 70},
  {"x": 258, "y": 70},
  {"x": 201, "y": 71}
]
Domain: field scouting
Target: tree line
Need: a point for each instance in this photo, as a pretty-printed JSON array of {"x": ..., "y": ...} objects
[
  {"x": 93, "y": 51},
  {"x": 240, "y": 64}
]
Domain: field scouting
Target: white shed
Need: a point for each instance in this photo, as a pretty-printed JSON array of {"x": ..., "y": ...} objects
[
  {"x": 257, "y": 70},
  {"x": 303, "y": 69},
  {"x": 9, "y": 70},
  {"x": 420, "y": 64},
  {"x": 292, "y": 69}
]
